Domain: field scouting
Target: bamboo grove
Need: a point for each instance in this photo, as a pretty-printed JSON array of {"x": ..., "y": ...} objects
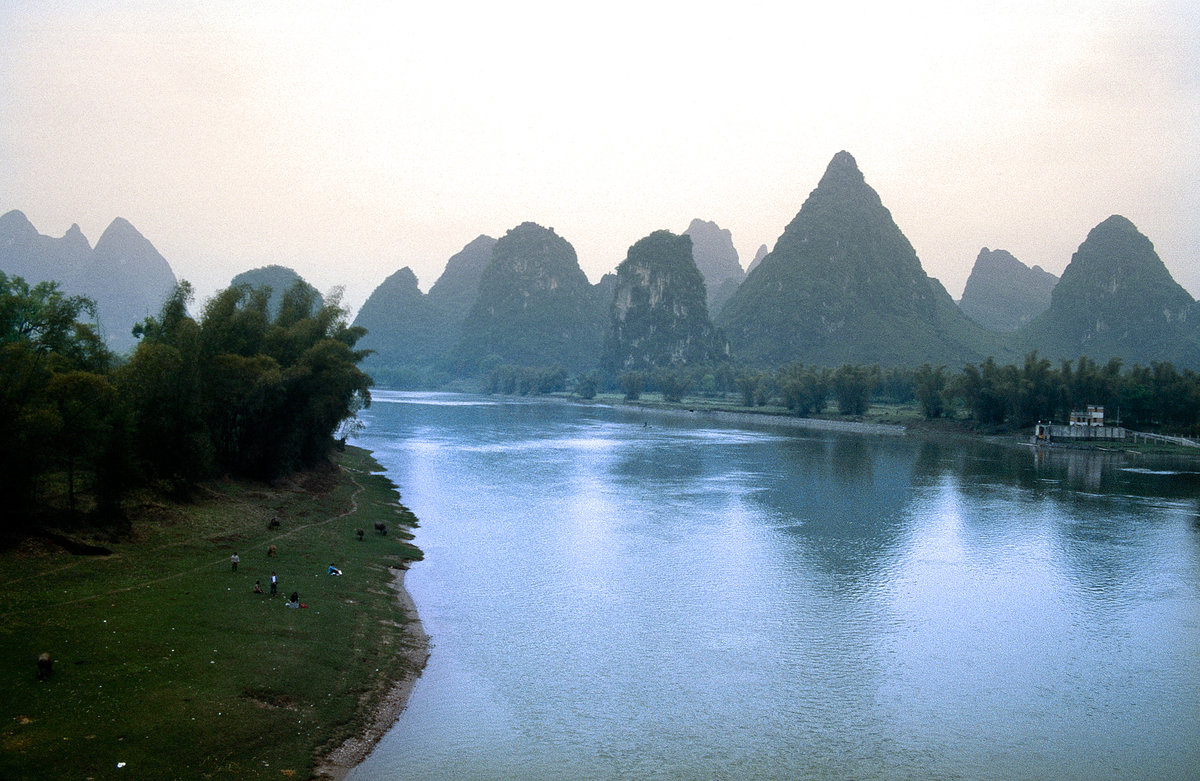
[{"x": 239, "y": 390}]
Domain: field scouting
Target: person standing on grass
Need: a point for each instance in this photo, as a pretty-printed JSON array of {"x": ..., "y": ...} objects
[
  {"x": 274, "y": 584},
  {"x": 234, "y": 560}
]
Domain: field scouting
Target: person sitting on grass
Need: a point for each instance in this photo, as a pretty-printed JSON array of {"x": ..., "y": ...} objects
[
  {"x": 334, "y": 570},
  {"x": 257, "y": 588},
  {"x": 293, "y": 600}
]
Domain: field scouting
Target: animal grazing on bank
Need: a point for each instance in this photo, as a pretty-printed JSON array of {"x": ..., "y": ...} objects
[
  {"x": 273, "y": 523},
  {"x": 359, "y": 532},
  {"x": 270, "y": 550},
  {"x": 381, "y": 527},
  {"x": 45, "y": 665}
]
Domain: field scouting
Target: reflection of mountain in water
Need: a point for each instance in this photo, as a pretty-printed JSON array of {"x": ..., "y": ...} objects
[{"x": 844, "y": 499}]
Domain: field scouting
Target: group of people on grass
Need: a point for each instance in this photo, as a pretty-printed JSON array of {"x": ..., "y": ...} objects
[{"x": 294, "y": 599}]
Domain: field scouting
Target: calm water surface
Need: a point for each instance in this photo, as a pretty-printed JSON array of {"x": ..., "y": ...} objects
[{"x": 615, "y": 595}]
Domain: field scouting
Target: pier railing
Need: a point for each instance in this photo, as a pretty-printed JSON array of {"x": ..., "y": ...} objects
[{"x": 1148, "y": 437}]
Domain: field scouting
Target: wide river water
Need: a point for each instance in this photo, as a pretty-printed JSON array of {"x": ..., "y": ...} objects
[{"x": 614, "y": 594}]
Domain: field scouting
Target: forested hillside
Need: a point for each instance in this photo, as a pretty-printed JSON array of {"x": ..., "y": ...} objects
[
  {"x": 843, "y": 285},
  {"x": 1116, "y": 299},
  {"x": 659, "y": 315}
]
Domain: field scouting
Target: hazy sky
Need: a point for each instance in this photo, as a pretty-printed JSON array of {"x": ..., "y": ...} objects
[{"x": 347, "y": 140}]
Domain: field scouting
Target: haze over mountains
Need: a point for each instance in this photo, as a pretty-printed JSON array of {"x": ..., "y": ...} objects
[
  {"x": 123, "y": 273},
  {"x": 842, "y": 285},
  {"x": 717, "y": 260},
  {"x": 278, "y": 279},
  {"x": 1003, "y": 293}
]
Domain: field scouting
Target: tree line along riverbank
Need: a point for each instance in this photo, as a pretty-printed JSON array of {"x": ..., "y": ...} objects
[{"x": 167, "y": 664}]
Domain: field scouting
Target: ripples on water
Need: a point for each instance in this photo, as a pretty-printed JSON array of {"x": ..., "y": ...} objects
[{"x": 613, "y": 595}]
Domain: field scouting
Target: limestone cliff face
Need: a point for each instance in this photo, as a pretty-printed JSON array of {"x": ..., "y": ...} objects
[
  {"x": 659, "y": 313},
  {"x": 1003, "y": 293}
]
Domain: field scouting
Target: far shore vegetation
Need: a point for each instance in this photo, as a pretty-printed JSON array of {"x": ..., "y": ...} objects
[{"x": 986, "y": 398}]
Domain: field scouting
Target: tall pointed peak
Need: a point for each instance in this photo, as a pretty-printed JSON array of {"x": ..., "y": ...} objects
[
  {"x": 119, "y": 228},
  {"x": 482, "y": 241},
  {"x": 1117, "y": 222},
  {"x": 844, "y": 159},
  {"x": 842, "y": 169}
]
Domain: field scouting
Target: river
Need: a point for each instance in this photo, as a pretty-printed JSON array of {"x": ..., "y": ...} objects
[{"x": 617, "y": 595}]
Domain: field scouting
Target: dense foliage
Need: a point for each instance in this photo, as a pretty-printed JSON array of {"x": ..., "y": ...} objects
[
  {"x": 659, "y": 317},
  {"x": 236, "y": 391},
  {"x": 1151, "y": 397},
  {"x": 535, "y": 306},
  {"x": 57, "y": 398},
  {"x": 991, "y": 395}
]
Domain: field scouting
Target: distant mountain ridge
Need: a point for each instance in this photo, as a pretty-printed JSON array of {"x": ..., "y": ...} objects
[
  {"x": 407, "y": 329},
  {"x": 125, "y": 275},
  {"x": 717, "y": 260},
  {"x": 1002, "y": 293},
  {"x": 278, "y": 279}
]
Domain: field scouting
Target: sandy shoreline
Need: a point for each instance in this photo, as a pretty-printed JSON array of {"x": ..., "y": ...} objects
[{"x": 415, "y": 647}]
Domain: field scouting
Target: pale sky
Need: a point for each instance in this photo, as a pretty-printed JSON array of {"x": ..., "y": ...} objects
[{"x": 347, "y": 140}]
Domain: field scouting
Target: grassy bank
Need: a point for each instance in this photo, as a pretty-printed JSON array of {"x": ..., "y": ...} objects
[{"x": 167, "y": 665}]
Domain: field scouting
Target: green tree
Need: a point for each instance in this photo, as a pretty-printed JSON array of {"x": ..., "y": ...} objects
[
  {"x": 586, "y": 385},
  {"x": 673, "y": 384},
  {"x": 748, "y": 382},
  {"x": 804, "y": 389},
  {"x": 930, "y": 390},
  {"x": 50, "y": 355},
  {"x": 852, "y": 387},
  {"x": 1034, "y": 391},
  {"x": 632, "y": 384},
  {"x": 83, "y": 404},
  {"x": 982, "y": 390}
]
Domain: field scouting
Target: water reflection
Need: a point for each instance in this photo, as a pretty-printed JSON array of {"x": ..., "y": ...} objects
[{"x": 616, "y": 600}]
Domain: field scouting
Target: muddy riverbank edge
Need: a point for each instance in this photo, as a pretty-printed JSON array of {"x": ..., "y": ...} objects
[{"x": 415, "y": 645}]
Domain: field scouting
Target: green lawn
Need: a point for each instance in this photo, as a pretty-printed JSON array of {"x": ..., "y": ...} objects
[{"x": 165, "y": 660}]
